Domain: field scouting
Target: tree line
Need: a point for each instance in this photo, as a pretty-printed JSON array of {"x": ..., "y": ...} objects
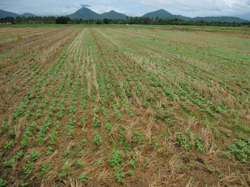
[{"x": 128, "y": 20}]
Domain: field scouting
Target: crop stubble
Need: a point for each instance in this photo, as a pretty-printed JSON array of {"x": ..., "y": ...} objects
[{"x": 175, "y": 103}]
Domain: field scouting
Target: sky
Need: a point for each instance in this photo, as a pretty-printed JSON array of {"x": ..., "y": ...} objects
[{"x": 190, "y": 8}]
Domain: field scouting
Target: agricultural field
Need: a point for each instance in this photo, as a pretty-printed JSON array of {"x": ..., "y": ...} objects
[{"x": 124, "y": 106}]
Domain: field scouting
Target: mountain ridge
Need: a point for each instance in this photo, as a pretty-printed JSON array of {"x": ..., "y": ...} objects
[
  {"x": 86, "y": 13},
  {"x": 4, "y": 14},
  {"x": 28, "y": 15},
  {"x": 165, "y": 14},
  {"x": 114, "y": 15}
]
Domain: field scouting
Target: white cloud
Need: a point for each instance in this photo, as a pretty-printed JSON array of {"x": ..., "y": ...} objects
[
  {"x": 34, "y": 5},
  {"x": 2, "y": 7}
]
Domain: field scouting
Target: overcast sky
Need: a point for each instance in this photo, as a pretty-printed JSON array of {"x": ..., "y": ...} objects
[{"x": 191, "y": 8}]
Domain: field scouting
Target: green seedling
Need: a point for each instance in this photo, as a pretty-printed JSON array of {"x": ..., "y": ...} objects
[
  {"x": 97, "y": 138},
  {"x": 83, "y": 178},
  {"x": 80, "y": 163},
  {"x": 115, "y": 158},
  {"x": 108, "y": 126}
]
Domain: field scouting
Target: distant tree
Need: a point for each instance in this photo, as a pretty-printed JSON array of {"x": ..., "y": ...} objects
[
  {"x": 74, "y": 21},
  {"x": 90, "y": 21},
  {"x": 2, "y": 20},
  {"x": 147, "y": 21},
  {"x": 114, "y": 21},
  {"x": 156, "y": 19},
  {"x": 62, "y": 20},
  {"x": 131, "y": 21},
  {"x": 49, "y": 20},
  {"x": 10, "y": 19},
  {"x": 99, "y": 21},
  {"x": 106, "y": 20},
  {"x": 68, "y": 19},
  {"x": 135, "y": 20},
  {"x": 19, "y": 20}
]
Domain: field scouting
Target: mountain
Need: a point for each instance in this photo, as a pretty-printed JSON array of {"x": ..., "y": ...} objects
[
  {"x": 164, "y": 14},
  {"x": 28, "y": 15},
  {"x": 85, "y": 13},
  {"x": 159, "y": 13},
  {"x": 114, "y": 15},
  {"x": 221, "y": 19},
  {"x": 4, "y": 14}
]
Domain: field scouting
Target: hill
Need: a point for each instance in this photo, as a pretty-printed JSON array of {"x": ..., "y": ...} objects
[
  {"x": 165, "y": 14},
  {"x": 85, "y": 13},
  {"x": 114, "y": 15},
  {"x": 28, "y": 15},
  {"x": 159, "y": 13},
  {"x": 221, "y": 19},
  {"x": 4, "y": 14}
]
